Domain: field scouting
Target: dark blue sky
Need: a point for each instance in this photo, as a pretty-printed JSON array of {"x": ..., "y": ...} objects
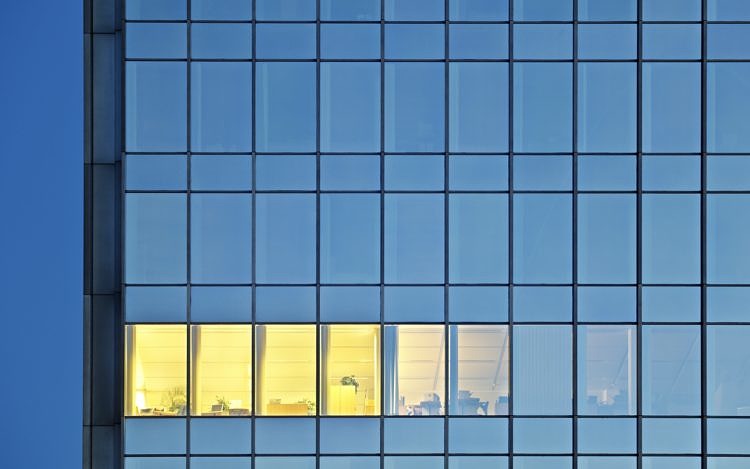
[{"x": 41, "y": 226}]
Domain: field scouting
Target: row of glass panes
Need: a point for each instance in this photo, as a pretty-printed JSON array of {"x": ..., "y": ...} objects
[
  {"x": 428, "y": 41},
  {"x": 466, "y": 304},
  {"x": 470, "y": 173},
  {"x": 435, "y": 10},
  {"x": 283, "y": 235},
  {"x": 287, "y": 118},
  {"x": 368, "y": 369}
]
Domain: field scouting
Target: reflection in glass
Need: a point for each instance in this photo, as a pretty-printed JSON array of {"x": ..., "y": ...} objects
[
  {"x": 606, "y": 238},
  {"x": 413, "y": 369},
  {"x": 728, "y": 238},
  {"x": 285, "y": 369},
  {"x": 478, "y": 370},
  {"x": 671, "y": 238},
  {"x": 155, "y": 370},
  {"x": 671, "y": 370},
  {"x": 545, "y": 354},
  {"x": 221, "y": 370},
  {"x": 728, "y": 98},
  {"x": 607, "y": 370},
  {"x": 728, "y": 368},
  {"x": 350, "y": 369}
]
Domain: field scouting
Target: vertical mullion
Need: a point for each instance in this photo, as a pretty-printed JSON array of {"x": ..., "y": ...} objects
[
  {"x": 639, "y": 239},
  {"x": 510, "y": 234},
  {"x": 574, "y": 238},
  {"x": 188, "y": 362},
  {"x": 382, "y": 234},
  {"x": 253, "y": 326},
  {"x": 318, "y": 356},
  {"x": 446, "y": 231},
  {"x": 703, "y": 208}
]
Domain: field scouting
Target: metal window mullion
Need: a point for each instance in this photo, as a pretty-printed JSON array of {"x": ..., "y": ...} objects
[
  {"x": 382, "y": 236},
  {"x": 318, "y": 354},
  {"x": 574, "y": 240},
  {"x": 639, "y": 240},
  {"x": 510, "y": 234},
  {"x": 703, "y": 228},
  {"x": 253, "y": 218},
  {"x": 446, "y": 234},
  {"x": 188, "y": 361}
]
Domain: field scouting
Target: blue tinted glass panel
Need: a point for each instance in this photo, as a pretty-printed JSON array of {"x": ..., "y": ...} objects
[
  {"x": 478, "y": 304},
  {"x": 728, "y": 89},
  {"x": 606, "y": 10},
  {"x": 543, "y": 10},
  {"x": 478, "y": 238},
  {"x": 155, "y": 238},
  {"x": 294, "y": 10},
  {"x": 542, "y": 238},
  {"x": 220, "y": 436},
  {"x": 154, "y": 436},
  {"x": 220, "y": 41},
  {"x": 345, "y": 435},
  {"x": 671, "y": 107},
  {"x": 285, "y": 106},
  {"x": 663, "y": 462},
  {"x": 221, "y": 172},
  {"x": 728, "y": 463},
  {"x": 285, "y": 41},
  {"x": 156, "y": 40},
  {"x": 607, "y": 462},
  {"x": 549, "y": 364},
  {"x": 350, "y": 304},
  {"x": 728, "y": 10},
  {"x": 606, "y": 304},
  {"x": 671, "y": 41},
  {"x": 155, "y": 9},
  {"x": 607, "y": 373},
  {"x": 285, "y": 304},
  {"x": 671, "y": 370},
  {"x": 603, "y": 87},
  {"x": 607, "y": 435},
  {"x": 414, "y": 172},
  {"x": 413, "y": 462},
  {"x": 220, "y": 238},
  {"x": 343, "y": 172},
  {"x": 542, "y": 304},
  {"x": 728, "y": 238},
  {"x": 478, "y": 41},
  {"x": 671, "y": 238},
  {"x": 728, "y": 304},
  {"x": 606, "y": 239},
  {"x": 155, "y": 172},
  {"x": 607, "y": 41},
  {"x": 353, "y": 10},
  {"x": 285, "y": 463},
  {"x": 672, "y": 10},
  {"x": 478, "y": 107},
  {"x": 414, "y": 41},
  {"x": 671, "y": 304},
  {"x": 542, "y": 435},
  {"x": 155, "y": 106},
  {"x": 414, "y": 107},
  {"x": 155, "y": 304},
  {"x": 414, "y": 304},
  {"x": 219, "y": 304},
  {"x": 285, "y": 172},
  {"x": 349, "y": 462},
  {"x": 477, "y": 435},
  {"x": 606, "y": 172},
  {"x": 154, "y": 463},
  {"x": 220, "y": 10},
  {"x": 285, "y": 436},
  {"x": 350, "y": 238},
  {"x": 414, "y": 238},
  {"x": 350, "y": 107},
  {"x": 542, "y": 106},
  {"x": 671, "y": 436},
  {"x": 671, "y": 173},
  {"x": 478, "y": 173},
  {"x": 478, "y": 462},
  {"x": 414, "y": 10},
  {"x": 728, "y": 436},
  {"x": 728, "y": 41},
  {"x": 542, "y": 172},
  {"x": 350, "y": 41},
  {"x": 413, "y": 435},
  {"x": 285, "y": 238},
  {"x": 542, "y": 41},
  {"x": 541, "y": 462},
  {"x": 728, "y": 374},
  {"x": 478, "y": 10},
  {"x": 219, "y": 463},
  {"x": 728, "y": 173},
  {"x": 221, "y": 106}
]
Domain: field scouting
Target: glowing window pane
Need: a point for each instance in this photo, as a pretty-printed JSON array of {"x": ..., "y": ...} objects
[
  {"x": 155, "y": 370},
  {"x": 350, "y": 369},
  {"x": 285, "y": 368},
  {"x": 221, "y": 374}
]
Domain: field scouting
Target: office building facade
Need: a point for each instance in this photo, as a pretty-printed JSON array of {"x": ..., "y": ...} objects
[{"x": 463, "y": 234}]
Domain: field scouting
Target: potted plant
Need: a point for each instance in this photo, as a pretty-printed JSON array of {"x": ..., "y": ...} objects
[
  {"x": 350, "y": 380},
  {"x": 174, "y": 400}
]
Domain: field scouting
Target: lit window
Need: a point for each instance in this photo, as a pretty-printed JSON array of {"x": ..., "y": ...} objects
[
  {"x": 414, "y": 370},
  {"x": 155, "y": 370},
  {"x": 285, "y": 366},
  {"x": 350, "y": 359},
  {"x": 221, "y": 374}
]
